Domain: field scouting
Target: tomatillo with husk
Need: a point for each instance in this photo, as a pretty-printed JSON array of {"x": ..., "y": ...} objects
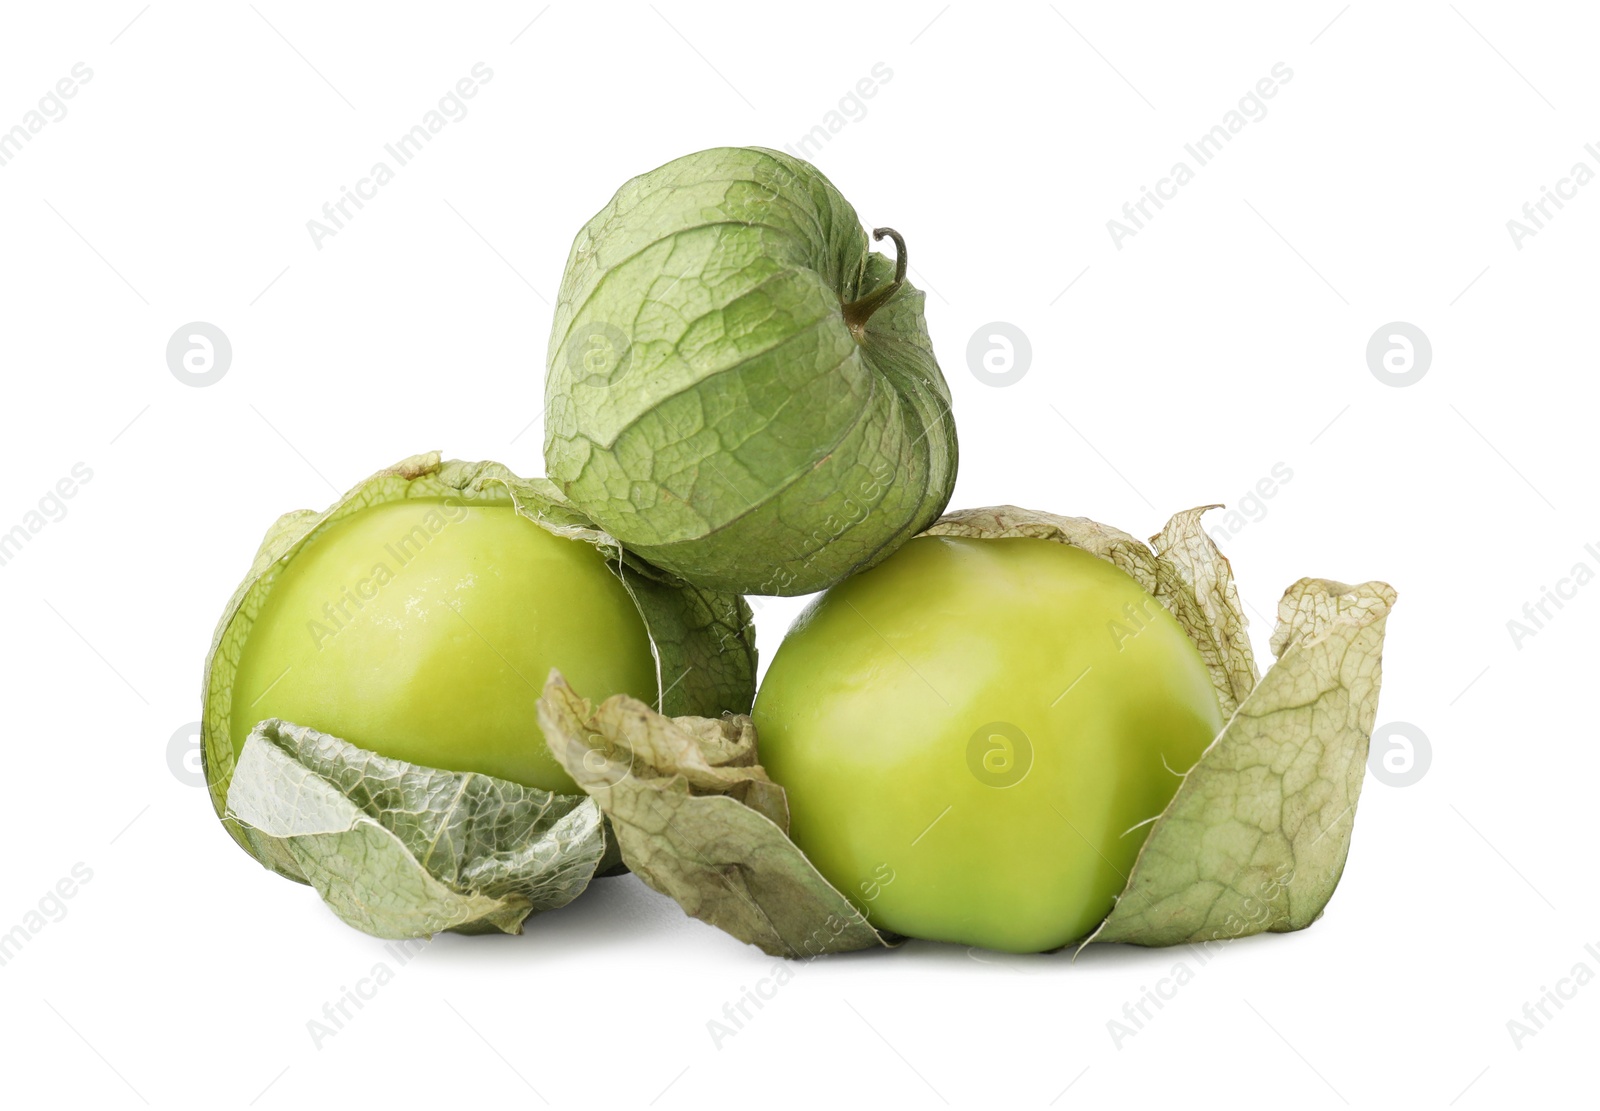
[
  {"x": 418, "y": 618},
  {"x": 738, "y": 388},
  {"x": 973, "y": 735},
  {"x": 995, "y": 738},
  {"x": 416, "y": 629}
]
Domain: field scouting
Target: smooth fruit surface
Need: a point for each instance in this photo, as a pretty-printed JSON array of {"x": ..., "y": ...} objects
[
  {"x": 423, "y": 630},
  {"x": 969, "y": 732}
]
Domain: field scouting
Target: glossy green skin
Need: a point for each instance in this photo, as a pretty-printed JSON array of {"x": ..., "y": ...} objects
[
  {"x": 877, "y": 717},
  {"x": 442, "y": 621}
]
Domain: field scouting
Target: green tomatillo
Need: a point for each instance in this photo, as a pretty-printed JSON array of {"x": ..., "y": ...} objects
[
  {"x": 738, "y": 388},
  {"x": 418, "y": 618},
  {"x": 972, "y": 733},
  {"x": 1007, "y": 734},
  {"x": 418, "y": 628}
]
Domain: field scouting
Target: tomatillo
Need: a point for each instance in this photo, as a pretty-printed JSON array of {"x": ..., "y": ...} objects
[
  {"x": 738, "y": 388},
  {"x": 409, "y": 628},
  {"x": 423, "y": 629},
  {"x": 971, "y": 734}
]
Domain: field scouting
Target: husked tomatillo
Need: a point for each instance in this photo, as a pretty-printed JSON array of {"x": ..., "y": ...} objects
[
  {"x": 418, "y": 628},
  {"x": 419, "y": 617},
  {"x": 970, "y": 732}
]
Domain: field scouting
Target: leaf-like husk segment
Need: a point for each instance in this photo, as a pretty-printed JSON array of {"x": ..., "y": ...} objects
[
  {"x": 698, "y": 820},
  {"x": 399, "y": 850},
  {"x": 1257, "y": 835}
]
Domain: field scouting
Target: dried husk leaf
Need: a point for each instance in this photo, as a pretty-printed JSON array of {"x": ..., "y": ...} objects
[
  {"x": 1257, "y": 836},
  {"x": 698, "y": 820},
  {"x": 398, "y": 850}
]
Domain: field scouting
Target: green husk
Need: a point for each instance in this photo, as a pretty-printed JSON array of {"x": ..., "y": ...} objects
[{"x": 738, "y": 387}]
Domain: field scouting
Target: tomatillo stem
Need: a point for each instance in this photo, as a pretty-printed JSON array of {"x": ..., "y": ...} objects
[{"x": 857, "y": 313}]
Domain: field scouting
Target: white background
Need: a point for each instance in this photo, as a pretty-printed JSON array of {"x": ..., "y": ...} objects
[{"x": 1225, "y": 337}]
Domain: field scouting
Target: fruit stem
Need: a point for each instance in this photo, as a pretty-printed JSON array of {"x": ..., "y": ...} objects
[{"x": 857, "y": 313}]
